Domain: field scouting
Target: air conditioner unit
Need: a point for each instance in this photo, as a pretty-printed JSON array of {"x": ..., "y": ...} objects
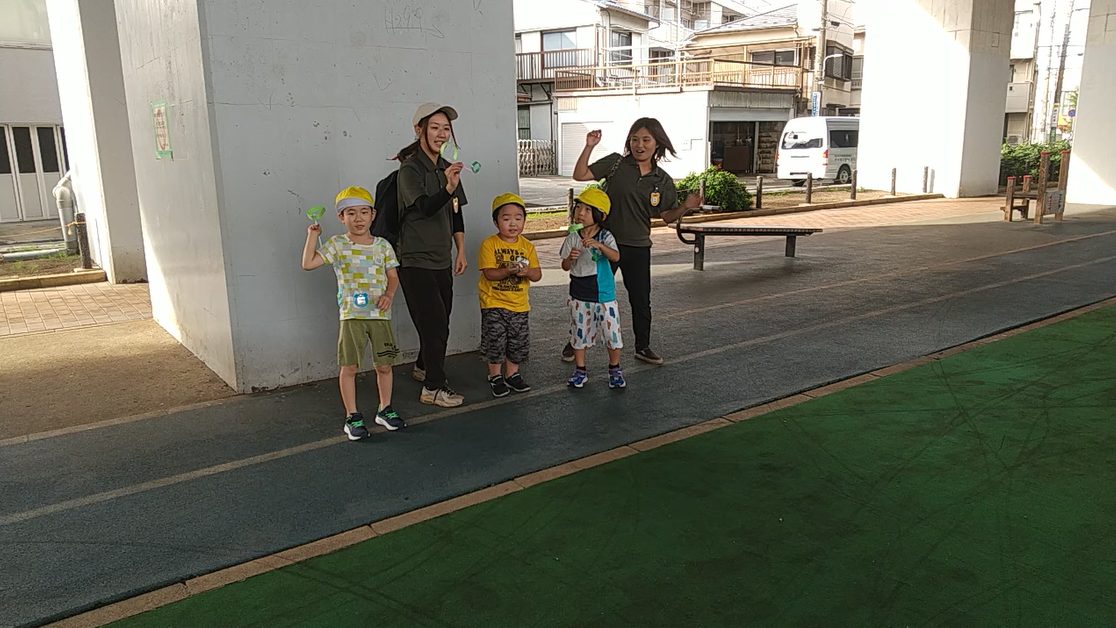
[{"x": 1013, "y": 139}]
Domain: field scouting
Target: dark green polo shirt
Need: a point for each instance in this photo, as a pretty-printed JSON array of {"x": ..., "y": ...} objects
[
  {"x": 632, "y": 195},
  {"x": 426, "y": 241}
]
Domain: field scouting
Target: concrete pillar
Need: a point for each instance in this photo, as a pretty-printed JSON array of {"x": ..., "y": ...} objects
[
  {"x": 91, "y": 88},
  {"x": 935, "y": 75},
  {"x": 1092, "y": 173},
  {"x": 269, "y": 113}
]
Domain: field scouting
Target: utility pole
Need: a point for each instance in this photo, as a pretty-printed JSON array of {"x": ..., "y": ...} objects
[
  {"x": 1044, "y": 123},
  {"x": 819, "y": 60},
  {"x": 1052, "y": 121}
]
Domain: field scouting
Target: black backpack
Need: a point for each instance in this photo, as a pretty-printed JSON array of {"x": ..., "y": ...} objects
[{"x": 388, "y": 221}]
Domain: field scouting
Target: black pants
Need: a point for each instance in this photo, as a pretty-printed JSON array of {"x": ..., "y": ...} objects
[
  {"x": 429, "y": 295},
  {"x": 635, "y": 263}
]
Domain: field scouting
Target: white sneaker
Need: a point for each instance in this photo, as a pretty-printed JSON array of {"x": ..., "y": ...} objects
[
  {"x": 417, "y": 374},
  {"x": 444, "y": 397}
]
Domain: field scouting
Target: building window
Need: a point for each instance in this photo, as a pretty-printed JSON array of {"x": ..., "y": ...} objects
[
  {"x": 559, "y": 40},
  {"x": 524, "y": 116},
  {"x": 857, "y": 71},
  {"x": 5, "y": 160},
  {"x": 621, "y": 44},
  {"x": 518, "y": 44},
  {"x": 559, "y": 49},
  {"x": 25, "y": 155},
  {"x": 838, "y": 67},
  {"x": 775, "y": 57}
]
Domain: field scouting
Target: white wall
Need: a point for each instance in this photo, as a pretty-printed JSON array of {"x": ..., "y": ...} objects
[
  {"x": 87, "y": 56},
  {"x": 684, "y": 116},
  {"x": 161, "y": 52},
  {"x": 948, "y": 115},
  {"x": 280, "y": 112},
  {"x": 1092, "y": 175},
  {"x": 542, "y": 122},
  {"x": 29, "y": 89},
  {"x": 552, "y": 15}
]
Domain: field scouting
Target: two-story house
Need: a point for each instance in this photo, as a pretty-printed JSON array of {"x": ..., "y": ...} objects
[{"x": 1020, "y": 104}]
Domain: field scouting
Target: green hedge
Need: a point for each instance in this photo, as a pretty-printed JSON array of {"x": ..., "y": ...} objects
[
  {"x": 1023, "y": 159},
  {"x": 722, "y": 188}
]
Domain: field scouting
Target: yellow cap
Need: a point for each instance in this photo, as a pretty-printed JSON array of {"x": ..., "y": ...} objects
[
  {"x": 352, "y": 196},
  {"x": 505, "y": 198},
  {"x": 596, "y": 197}
]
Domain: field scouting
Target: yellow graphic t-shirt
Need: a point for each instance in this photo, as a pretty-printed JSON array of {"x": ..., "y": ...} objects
[{"x": 511, "y": 293}]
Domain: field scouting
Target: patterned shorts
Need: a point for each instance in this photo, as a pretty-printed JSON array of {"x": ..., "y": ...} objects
[
  {"x": 504, "y": 336},
  {"x": 590, "y": 321}
]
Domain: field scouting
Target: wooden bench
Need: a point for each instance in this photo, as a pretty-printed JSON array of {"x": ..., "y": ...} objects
[{"x": 699, "y": 233}]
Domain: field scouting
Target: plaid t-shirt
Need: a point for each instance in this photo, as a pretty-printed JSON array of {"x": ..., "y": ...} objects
[{"x": 361, "y": 275}]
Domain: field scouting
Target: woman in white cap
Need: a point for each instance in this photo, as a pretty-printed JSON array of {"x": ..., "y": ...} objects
[{"x": 430, "y": 202}]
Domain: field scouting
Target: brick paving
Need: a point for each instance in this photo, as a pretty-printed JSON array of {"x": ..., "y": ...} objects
[{"x": 66, "y": 307}]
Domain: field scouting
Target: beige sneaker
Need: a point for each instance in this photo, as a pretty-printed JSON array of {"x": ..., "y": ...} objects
[
  {"x": 417, "y": 374},
  {"x": 444, "y": 397}
]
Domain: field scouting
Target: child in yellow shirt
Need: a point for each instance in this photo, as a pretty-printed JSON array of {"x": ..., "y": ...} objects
[{"x": 508, "y": 264}]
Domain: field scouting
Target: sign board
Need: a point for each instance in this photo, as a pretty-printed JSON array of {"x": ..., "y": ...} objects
[
  {"x": 161, "y": 125},
  {"x": 815, "y": 103},
  {"x": 1055, "y": 202}
]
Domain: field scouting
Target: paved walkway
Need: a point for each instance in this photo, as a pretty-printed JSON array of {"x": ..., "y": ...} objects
[
  {"x": 67, "y": 307},
  {"x": 138, "y": 505}
]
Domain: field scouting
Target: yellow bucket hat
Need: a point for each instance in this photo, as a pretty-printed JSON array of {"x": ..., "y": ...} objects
[
  {"x": 595, "y": 197},
  {"x": 353, "y": 196},
  {"x": 505, "y": 198}
]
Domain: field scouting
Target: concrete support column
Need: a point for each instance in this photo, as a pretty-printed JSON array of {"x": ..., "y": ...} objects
[
  {"x": 269, "y": 113},
  {"x": 935, "y": 75},
  {"x": 1092, "y": 173},
  {"x": 91, "y": 89}
]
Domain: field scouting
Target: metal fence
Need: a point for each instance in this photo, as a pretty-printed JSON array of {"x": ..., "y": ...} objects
[{"x": 536, "y": 157}]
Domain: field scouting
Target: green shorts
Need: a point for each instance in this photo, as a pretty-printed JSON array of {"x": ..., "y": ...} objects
[{"x": 354, "y": 336}]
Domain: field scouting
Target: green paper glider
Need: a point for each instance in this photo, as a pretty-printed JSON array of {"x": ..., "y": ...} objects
[
  {"x": 442, "y": 152},
  {"x": 575, "y": 227},
  {"x": 315, "y": 213}
]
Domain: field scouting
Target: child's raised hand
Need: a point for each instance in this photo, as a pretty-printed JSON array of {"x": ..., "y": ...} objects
[
  {"x": 314, "y": 229},
  {"x": 574, "y": 254}
]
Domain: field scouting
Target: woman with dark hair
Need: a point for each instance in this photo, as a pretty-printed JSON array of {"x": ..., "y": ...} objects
[
  {"x": 431, "y": 226},
  {"x": 639, "y": 189}
]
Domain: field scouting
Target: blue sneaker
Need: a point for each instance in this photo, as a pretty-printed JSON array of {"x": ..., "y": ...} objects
[
  {"x": 578, "y": 379},
  {"x": 390, "y": 419},
  {"x": 616, "y": 378},
  {"x": 354, "y": 427}
]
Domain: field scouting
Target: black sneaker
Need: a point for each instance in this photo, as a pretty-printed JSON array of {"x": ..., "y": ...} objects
[
  {"x": 516, "y": 383},
  {"x": 498, "y": 385},
  {"x": 568, "y": 353},
  {"x": 648, "y": 356},
  {"x": 390, "y": 419},
  {"x": 354, "y": 427}
]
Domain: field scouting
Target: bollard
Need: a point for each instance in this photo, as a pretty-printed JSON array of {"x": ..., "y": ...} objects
[
  {"x": 925, "y": 179},
  {"x": 83, "y": 240},
  {"x": 1043, "y": 183},
  {"x": 809, "y": 188},
  {"x": 1009, "y": 199},
  {"x": 893, "y": 181},
  {"x": 759, "y": 192},
  {"x": 852, "y": 190}
]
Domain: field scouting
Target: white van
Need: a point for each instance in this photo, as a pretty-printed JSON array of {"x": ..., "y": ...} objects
[{"x": 824, "y": 146}]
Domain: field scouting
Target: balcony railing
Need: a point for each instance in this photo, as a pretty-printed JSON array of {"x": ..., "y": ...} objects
[
  {"x": 706, "y": 72},
  {"x": 535, "y": 66}
]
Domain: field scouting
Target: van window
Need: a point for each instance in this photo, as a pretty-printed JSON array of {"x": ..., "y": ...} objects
[
  {"x": 800, "y": 140},
  {"x": 843, "y": 139}
]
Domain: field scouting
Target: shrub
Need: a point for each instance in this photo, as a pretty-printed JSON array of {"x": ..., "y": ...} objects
[
  {"x": 1023, "y": 159},
  {"x": 722, "y": 188}
]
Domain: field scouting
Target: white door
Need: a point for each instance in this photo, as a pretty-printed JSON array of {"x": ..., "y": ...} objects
[
  {"x": 9, "y": 199},
  {"x": 27, "y": 174},
  {"x": 49, "y": 166}
]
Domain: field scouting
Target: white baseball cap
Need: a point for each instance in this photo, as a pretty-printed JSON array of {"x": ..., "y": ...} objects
[{"x": 427, "y": 109}]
